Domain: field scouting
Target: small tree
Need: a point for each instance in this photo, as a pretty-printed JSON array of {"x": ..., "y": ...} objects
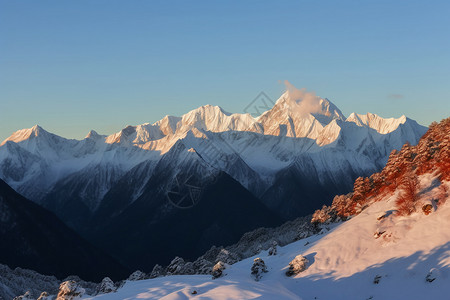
[
  {"x": 217, "y": 270},
  {"x": 106, "y": 286},
  {"x": 406, "y": 201},
  {"x": 273, "y": 248},
  {"x": 258, "y": 268}
]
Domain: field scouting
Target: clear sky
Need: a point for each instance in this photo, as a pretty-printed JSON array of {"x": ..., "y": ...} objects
[{"x": 72, "y": 66}]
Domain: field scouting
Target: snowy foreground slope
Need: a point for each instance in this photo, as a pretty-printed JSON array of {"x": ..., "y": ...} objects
[{"x": 343, "y": 263}]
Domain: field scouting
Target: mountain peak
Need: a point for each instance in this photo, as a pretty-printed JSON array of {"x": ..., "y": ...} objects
[
  {"x": 92, "y": 135},
  {"x": 209, "y": 109},
  {"x": 36, "y": 128},
  {"x": 25, "y": 134},
  {"x": 299, "y": 103},
  {"x": 299, "y": 113}
]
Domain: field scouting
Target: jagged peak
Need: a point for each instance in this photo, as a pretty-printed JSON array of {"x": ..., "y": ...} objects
[
  {"x": 25, "y": 134},
  {"x": 92, "y": 135},
  {"x": 36, "y": 128}
]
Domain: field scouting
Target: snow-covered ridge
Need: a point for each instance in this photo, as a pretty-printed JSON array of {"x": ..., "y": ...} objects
[
  {"x": 381, "y": 125},
  {"x": 215, "y": 119}
]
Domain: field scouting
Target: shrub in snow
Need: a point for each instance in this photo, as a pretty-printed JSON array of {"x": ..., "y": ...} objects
[
  {"x": 69, "y": 290},
  {"x": 217, "y": 270},
  {"x": 427, "y": 208},
  {"x": 176, "y": 266},
  {"x": 137, "y": 275},
  {"x": 273, "y": 248},
  {"x": 385, "y": 215},
  {"x": 432, "y": 275},
  {"x": 44, "y": 296},
  {"x": 157, "y": 271},
  {"x": 378, "y": 233},
  {"x": 376, "y": 280},
  {"x": 323, "y": 215},
  {"x": 297, "y": 265},
  {"x": 106, "y": 286},
  {"x": 26, "y": 296},
  {"x": 258, "y": 268}
]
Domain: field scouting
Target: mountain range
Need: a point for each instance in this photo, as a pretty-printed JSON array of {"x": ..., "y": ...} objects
[{"x": 154, "y": 184}]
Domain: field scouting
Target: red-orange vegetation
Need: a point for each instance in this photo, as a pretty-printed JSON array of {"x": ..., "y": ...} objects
[
  {"x": 430, "y": 155},
  {"x": 406, "y": 201}
]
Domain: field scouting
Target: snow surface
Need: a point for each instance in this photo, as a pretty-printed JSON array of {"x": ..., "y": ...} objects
[{"x": 344, "y": 261}]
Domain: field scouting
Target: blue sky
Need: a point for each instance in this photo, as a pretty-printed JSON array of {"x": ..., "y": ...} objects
[{"x": 72, "y": 66}]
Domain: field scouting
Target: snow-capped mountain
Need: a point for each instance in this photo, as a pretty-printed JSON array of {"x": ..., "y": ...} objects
[
  {"x": 34, "y": 161},
  {"x": 293, "y": 158}
]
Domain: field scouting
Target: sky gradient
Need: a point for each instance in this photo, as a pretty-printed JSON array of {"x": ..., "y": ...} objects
[{"x": 73, "y": 66}]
